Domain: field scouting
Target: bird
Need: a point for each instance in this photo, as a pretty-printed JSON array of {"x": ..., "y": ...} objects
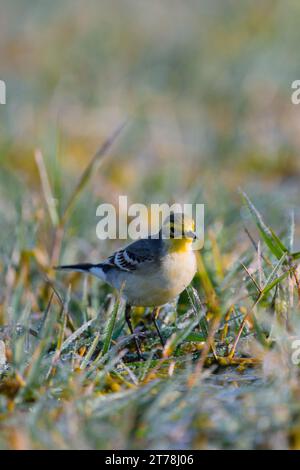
[{"x": 151, "y": 271}]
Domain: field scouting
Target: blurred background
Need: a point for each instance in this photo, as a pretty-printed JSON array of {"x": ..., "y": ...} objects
[{"x": 205, "y": 87}]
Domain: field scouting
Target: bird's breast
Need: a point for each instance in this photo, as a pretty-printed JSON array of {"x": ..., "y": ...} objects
[{"x": 160, "y": 283}]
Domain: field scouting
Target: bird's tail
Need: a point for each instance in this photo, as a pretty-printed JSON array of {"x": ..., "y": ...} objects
[{"x": 98, "y": 270}]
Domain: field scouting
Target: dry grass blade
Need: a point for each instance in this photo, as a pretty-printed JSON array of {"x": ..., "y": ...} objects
[
  {"x": 85, "y": 177},
  {"x": 60, "y": 300},
  {"x": 50, "y": 201},
  {"x": 259, "y": 266},
  {"x": 274, "y": 272},
  {"x": 207, "y": 283},
  {"x": 90, "y": 169},
  {"x": 256, "y": 247},
  {"x": 61, "y": 334},
  {"x": 251, "y": 277},
  {"x": 216, "y": 253}
]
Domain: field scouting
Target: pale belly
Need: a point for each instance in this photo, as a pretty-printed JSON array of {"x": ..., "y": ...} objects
[{"x": 155, "y": 287}]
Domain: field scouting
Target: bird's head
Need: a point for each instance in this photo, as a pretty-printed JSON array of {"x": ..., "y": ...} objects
[{"x": 178, "y": 231}]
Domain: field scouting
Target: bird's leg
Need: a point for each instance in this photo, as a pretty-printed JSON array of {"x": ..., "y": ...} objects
[
  {"x": 128, "y": 321},
  {"x": 154, "y": 316}
]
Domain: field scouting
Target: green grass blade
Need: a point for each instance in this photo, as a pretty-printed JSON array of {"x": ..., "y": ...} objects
[
  {"x": 109, "y": 328},
  {"x": 275, "y": 282},
  {"x": 90, "y": 352},
  {"x": 296, "y": 255},
  {"x": 273, "y": 242}
]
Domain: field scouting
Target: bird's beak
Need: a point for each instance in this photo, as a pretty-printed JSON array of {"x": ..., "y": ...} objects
[{"x": 191, "y": 234}]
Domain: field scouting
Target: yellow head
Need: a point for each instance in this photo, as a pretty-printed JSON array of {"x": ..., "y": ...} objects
[{"x": 178, "y": 231}]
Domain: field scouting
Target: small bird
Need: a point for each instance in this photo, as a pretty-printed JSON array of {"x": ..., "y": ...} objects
[{"x": 152, "y": 271}]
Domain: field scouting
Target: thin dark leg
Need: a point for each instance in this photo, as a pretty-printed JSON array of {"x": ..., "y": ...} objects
[
  {"x": 154, "y": 315},
  {"x": 128, "y": 321}
]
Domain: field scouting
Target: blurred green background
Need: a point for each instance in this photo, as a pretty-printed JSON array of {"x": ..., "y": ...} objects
[{"x": 205, "y": 84}]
